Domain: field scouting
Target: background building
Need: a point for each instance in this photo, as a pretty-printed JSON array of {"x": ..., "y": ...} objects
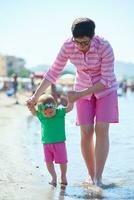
[
  {"x": 3, "y": 69},
  {"x": 14, "y": 64},
  {"x": 11, "y": 64}
]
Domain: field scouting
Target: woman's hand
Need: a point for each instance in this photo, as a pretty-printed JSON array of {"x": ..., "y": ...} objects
[
  {"x": 73, "y": 96},
  {"x": 31, "y": 102},
  {"x": 69, "y": 107}
]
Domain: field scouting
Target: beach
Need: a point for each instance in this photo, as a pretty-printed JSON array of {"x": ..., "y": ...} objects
[
  {"x": 19, "y": 179},
  {"x": 23, "y": 175}
]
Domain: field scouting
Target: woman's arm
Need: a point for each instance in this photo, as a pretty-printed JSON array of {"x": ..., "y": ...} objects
[
  {"x": 41, "y": 88},
  {"x": 73, "y": 96},
  {"x": 51, "y": 76}
]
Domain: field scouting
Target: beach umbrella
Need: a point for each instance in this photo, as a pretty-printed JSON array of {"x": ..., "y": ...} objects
[{"x": 66, "y": 79}]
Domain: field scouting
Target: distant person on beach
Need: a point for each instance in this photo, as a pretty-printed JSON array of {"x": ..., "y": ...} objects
[
  {"x": 132, "y": 86},
  {"x": 33, "y": 86},
  {"x": 52, "y": 121},
  {"x": 15, "y": 87},
  {"x": 124, "y": 87},
  {"x": 58, "y": 95},
  {"x": 55, "y": 93},
  {"x": 95, "y": 91}
]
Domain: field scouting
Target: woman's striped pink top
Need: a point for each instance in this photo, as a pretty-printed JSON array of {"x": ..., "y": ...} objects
[{"x": 97, "y": 65}]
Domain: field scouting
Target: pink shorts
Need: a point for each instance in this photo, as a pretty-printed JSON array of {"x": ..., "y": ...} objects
[
  {"x": 104, "y": 109},
  {"x": 55, "y": 152}
]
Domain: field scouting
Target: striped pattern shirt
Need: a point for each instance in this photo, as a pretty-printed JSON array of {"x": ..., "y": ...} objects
[{"x": 97, "y": 65}]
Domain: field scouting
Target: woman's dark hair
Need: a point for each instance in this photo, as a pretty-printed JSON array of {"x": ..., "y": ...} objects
[{"x": 83, "y": 27}]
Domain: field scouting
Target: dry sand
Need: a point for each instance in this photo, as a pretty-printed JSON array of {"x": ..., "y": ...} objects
[{"x": 19, "y": 179}]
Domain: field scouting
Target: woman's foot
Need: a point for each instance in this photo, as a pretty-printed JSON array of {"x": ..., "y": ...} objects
[
  {"x": 89, "y": 181},
  {"x": 98, "y": 183}
]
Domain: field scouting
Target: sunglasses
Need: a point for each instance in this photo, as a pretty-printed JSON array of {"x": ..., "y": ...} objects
[
  {"x": 42, "y": 107},
  {"x": 82, "y": 43}
]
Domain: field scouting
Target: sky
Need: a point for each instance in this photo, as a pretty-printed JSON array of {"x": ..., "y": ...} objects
[{"x": 36, "y": 29}]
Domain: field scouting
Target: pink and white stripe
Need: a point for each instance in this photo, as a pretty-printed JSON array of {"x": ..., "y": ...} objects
[{"x": 97, "y": 65}]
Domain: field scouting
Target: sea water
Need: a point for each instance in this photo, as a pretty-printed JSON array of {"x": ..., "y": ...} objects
[{"x": 118, "y": 175}]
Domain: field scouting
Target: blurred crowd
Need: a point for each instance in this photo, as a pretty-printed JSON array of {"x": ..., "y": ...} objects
[
  {"x": 124, "y": 85},
  {"x": 16, "y": 85}
]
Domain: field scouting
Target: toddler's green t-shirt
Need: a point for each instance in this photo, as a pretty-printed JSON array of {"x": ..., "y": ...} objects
[{"x": 53, "y": 129}]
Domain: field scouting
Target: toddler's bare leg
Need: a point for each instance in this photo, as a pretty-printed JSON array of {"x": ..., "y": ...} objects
[
  {"x": 51, "y": 169},
  {"x": 63, "y": 168}
]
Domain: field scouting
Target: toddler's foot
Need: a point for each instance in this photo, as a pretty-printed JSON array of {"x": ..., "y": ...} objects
[
  {"x": 63, "y": 185},
  {"x": 54, "y": 184},
  {"x": 63, "y": 181}
]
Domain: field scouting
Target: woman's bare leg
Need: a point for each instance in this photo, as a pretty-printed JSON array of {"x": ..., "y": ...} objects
[
  {"x": 87, "y": 148},
  {"x": 101, "y": 149}
]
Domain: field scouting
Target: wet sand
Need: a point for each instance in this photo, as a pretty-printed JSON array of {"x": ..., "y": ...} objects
[{"x": 19, "y": 179}]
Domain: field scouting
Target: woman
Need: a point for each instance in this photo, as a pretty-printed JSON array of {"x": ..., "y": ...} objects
[{"x": 95, "y": 90}]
